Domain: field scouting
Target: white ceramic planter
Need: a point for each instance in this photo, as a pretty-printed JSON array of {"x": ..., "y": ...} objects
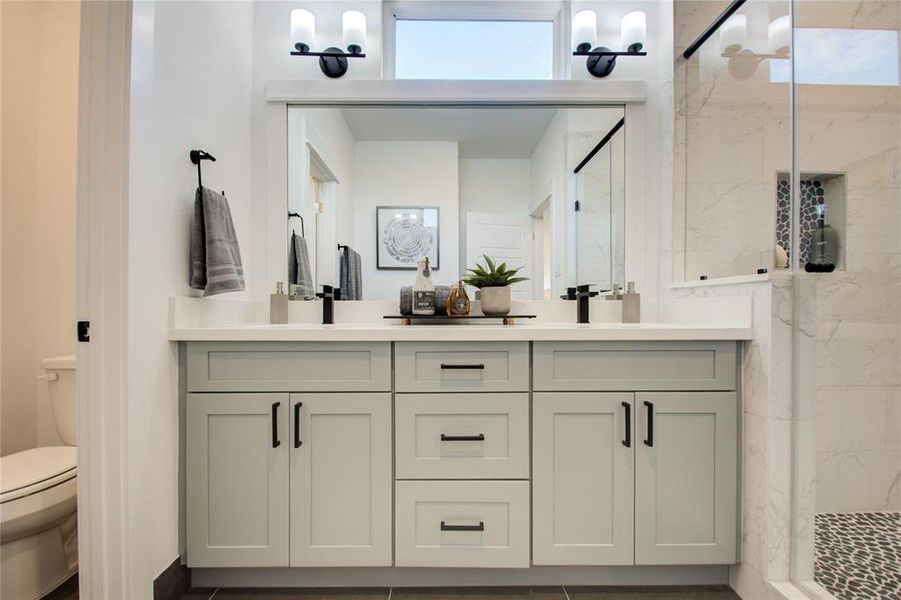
[{"x": 495, "y": 301}]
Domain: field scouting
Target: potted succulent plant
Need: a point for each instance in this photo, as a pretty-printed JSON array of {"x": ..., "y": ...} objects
[{"x": 494, "y": 283}]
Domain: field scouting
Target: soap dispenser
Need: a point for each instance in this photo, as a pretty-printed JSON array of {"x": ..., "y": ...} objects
[
  {"x": 631, "y": 304},
  {"x": 278, "y": 305}
]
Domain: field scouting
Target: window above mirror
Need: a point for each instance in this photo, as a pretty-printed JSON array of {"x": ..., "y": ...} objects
[
  {"x": 432, "y": 49},
  {"x": 423, "y": 40}
]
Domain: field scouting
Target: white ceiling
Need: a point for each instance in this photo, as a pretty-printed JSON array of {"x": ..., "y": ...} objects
[{"x": 483, "y": 132}]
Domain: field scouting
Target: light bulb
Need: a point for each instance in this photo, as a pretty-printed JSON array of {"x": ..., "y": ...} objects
[
  {"x": 303, "y": 29},
  {"x": 780, "y": 31},
  {"x": 634, "y": 31},
  {"x": 354, "y": 25},
  {"x": 585, "y": 30},
  {"x": 734, "y": 34}
]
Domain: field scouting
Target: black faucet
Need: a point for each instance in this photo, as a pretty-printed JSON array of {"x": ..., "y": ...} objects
[
  {"x": 581, "y": 293},
  {"x": 328, "y": 295}
]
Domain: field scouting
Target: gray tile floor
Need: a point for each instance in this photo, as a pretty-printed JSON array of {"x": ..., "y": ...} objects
[{"x": 499, "y": 593}]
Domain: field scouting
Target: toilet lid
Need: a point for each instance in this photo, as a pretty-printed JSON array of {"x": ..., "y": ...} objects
[{"x": 31, "y": 467}]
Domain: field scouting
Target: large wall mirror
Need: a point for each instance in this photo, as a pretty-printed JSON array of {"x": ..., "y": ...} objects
[{"x": 373, "y": 189}]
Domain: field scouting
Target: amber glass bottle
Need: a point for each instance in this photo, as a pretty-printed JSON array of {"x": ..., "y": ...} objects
[{"x": 458, "y": 304}]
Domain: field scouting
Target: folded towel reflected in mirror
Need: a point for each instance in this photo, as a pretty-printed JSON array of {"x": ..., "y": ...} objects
[
  {"x": 441, "y": 294},
  {"x": 351, "y": 274},
  {"x": 215, "y": 257},
  {"x": 300, "y": 275}
]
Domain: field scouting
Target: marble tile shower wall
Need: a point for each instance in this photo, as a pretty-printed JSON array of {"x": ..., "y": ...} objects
[{"x": 856, "y": 130}]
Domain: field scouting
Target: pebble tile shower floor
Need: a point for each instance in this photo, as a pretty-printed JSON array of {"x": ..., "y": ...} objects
[{"x": 858, "y": 555}]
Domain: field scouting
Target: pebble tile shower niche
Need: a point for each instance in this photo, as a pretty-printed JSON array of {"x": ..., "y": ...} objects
[{"x": 827, "y": 189}]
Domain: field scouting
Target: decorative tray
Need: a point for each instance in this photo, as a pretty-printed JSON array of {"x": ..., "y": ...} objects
[{"x": 442, "y": 319}]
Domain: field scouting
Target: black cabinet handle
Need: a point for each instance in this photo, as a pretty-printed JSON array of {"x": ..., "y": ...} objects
[
  {"x": 275, "y": 441},
  {"x": 479, "y": 527},
  {"x": 297, "y": 440},
  {"x": 628, "y": 412},
  {"x": 649, "y": 441},
  {"x": 479, "y": 366},
  {"x": 463, "y": 438}
]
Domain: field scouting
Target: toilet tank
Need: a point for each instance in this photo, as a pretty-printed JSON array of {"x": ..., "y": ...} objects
[{"x": 59, "y": 372}]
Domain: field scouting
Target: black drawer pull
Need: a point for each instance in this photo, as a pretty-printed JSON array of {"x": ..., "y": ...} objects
[
  {"x": 628, "y": 411},
  {"x": 649, "y": 441},
  {"x": 297, "y": 441},
  {"x": 463, "y": 438},
  {"x": 479, "y": 367},
  {"x": 275, "y": 441},
  {"x": 479, "y": 527}
]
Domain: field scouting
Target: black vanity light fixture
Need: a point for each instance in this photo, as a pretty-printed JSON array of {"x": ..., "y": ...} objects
[
  {"x": 332, "y": 60},
  {"x": 601, "y": 59}
]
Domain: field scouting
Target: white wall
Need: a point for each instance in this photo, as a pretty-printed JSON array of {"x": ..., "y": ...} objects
[
  {"x": 406, "y": 174},
  {"x": 497, "y": 186},
  {"x": 40, "y": 42},
  {"x": 191, "y": 87}
]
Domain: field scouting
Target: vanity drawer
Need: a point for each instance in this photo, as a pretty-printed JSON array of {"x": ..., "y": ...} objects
[
  {"x": 462, "y": 524},
  {"x": 288, "y": 367},
  {"x": 461, "y": 436},
  {"x": 634, "y": 366},
  {"x": 462, "y": 367}
]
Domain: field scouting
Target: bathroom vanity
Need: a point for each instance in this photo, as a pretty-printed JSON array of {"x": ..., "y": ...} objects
[{"x": 461, "y": 453}]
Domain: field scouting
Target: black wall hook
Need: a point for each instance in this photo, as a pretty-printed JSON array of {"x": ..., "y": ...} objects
[
  {"x": 298, "y": 216},
  {"x": 196, "y": 157}
]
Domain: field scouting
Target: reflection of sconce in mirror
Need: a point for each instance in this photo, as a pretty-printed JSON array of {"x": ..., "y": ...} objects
[
  {"x": 743, "y": 62},
  {"x": 332, "y": 61},
  {"x": 602, "y": 60}
]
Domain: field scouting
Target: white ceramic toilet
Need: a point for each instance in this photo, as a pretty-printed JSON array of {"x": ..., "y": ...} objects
[{"x": 38, "y": 532}]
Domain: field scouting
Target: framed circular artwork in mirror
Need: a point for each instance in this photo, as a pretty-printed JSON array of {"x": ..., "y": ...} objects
[{"x": 404, "y": 234}]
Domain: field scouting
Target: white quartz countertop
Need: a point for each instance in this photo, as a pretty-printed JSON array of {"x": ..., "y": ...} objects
[
  {"x": 365, "y": 332},
  {"x": 195, "y": 319}
]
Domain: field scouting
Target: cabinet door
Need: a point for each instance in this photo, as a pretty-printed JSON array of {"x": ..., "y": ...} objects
[
  {"x": 340, "y": 480},
  {"x": 237, "y": 480},
  {"x": 686, "y": 478},
  {"x": 582, "y": 478}
]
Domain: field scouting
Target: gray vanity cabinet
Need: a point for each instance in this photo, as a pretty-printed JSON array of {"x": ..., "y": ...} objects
[
  {"x": 341, "y": 479},
  {"x": 686, "y": 478},
  {"x": 237, "y": 480},
  {"x": 583, "y": 468},
  {"x": 674, "y": 478},
  {"x": 297, "y": 472}
]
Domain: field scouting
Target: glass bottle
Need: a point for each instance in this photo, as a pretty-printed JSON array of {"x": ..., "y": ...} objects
[
  {"x": 423, "y": 289},
  {"x": 823, "y": 241},
  {"x": 458, "y": 304}
]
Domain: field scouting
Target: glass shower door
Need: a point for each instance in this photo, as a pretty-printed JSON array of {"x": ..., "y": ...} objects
[
  {"x": 600, "y": 211},
  {"x": 847, "y": 179}
]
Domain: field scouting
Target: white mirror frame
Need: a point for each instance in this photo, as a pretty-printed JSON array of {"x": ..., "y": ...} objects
[{"x": 631, "y": 94}]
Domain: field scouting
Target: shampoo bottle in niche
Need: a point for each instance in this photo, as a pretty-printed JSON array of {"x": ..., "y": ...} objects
[
  {"x": 823, "y": 245},
  {"x": 423, "y": 289}
]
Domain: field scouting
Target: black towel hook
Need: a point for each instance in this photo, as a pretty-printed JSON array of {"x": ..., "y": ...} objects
[
  {"x": 298, "y": 216},
  {"x": 196, "y": 157}
]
